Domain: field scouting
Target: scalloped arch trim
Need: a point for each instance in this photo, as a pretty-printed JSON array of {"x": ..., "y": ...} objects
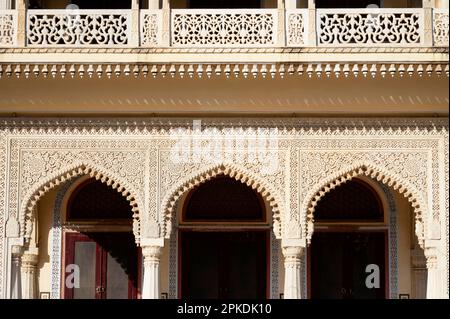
[
  {"x": 376, "y": 173},
  {"x": 233, "y": 171},
  {"x": 62, "y": 176}
]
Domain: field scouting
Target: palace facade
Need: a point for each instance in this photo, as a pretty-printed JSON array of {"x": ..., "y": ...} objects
[{"x": 224, "y": 149}]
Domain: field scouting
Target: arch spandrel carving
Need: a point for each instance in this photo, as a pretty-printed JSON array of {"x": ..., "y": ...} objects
[
  {"x": 376, "y": 172},
  {"x": 239, "y": 173},
  {"x": 54, "y": 179}
]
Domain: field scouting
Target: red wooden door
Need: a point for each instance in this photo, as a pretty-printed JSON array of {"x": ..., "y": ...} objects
[{"x": 106, "y": 265}]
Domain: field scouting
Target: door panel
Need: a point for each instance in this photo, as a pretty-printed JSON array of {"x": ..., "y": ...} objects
[
  {"x": 85, "y": 258},
  {"x": 338, "y": 264},
  {"x": 107, "y": 265}
]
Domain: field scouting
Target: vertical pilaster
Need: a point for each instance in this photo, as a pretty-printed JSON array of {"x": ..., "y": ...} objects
[
  {"x": 433, "y": 277},
  {"x": 29, "y": 263},
  {"x": 312, "y": 26},
  {"x": 16, "y": 286},
  {"x": 21, "y": 7},
  {"x": 292, "y": 267},
  {"x": 5, "y": 4},
  {"x": 166, "y": 23},
  {"x": 135, "y": 23},
  {"x": 428, "y": 6},
  {"x": 281, "y": 34},
  {"x": 151, "y": 255}
]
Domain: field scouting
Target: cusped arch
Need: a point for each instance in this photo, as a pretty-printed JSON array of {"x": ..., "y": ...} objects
[
  {"x": 372, "y": 171},
  {"x": 270, "y": 195},
  {"x": 59, "y": 177}
]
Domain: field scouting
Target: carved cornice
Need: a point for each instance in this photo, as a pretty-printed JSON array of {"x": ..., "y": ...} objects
[
  {"x": 230, "y": 50},
  {"x": 236, "y": 70},
  {"x": 377, "y": 126}
]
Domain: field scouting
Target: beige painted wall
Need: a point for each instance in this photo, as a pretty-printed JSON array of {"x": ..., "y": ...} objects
[{"x": 210, "y": 97}]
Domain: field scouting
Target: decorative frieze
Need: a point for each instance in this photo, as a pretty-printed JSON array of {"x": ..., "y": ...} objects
[{"x": 317, "y": 70}]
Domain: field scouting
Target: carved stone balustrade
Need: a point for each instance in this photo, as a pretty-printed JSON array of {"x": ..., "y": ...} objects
[{"x": 234, "y": 28}]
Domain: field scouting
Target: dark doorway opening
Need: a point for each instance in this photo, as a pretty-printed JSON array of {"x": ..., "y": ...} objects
[
  {"x": 224, "y": 265},
  {"x": 338, "y": 262}
]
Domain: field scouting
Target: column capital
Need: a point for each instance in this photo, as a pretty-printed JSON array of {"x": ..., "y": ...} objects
[
  {"x": 293, "y": 253},
  {"x": 431, "y": 257},
  {"x": 30, "y": 259},
  {"x": 151, "y": 253}
]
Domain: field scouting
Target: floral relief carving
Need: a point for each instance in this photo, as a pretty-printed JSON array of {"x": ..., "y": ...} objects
[
  {"x": 44, "y": 170},
  {"x": 337, "y": 174},
  {"x": 78, "y": 28},
  {"x": 187, "y": 177},
  {"x": 3, "y": 216},
  {"x": 369, "y": 27},
  {"x": 312, "y": 154},
  {"x": 219, "y": 28}
]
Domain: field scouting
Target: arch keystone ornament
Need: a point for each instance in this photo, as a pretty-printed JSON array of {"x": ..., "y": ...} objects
[
  {"x": 374, "y": 172},
  {"x": 37, "y": 191},
  {"x": 231, "y": 170}
]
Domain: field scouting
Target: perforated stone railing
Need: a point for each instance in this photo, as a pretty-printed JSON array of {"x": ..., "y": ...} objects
[
  {"x": 224, "y": 28},
  {"x": 440, "y": 27},
  {"x": 8, "y": 28},
  {"x": 218, "y": 28},
  {"x": 78, "y": 28},
  {"x": 370, "y": 27},
  {"x": 296, "y": 27},
  {"x": 151, "y": 28}
]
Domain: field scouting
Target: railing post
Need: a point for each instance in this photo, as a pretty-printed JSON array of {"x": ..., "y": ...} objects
[
  {"x": 428, "y": 6},
  {"x": 312, "y": 25},
  {"x": 21, "y": 7},
  {"x": 5, "y": 4},
  {"x": 281, "y": 30},
  {"x": 134, "y": 41},
  {"x": 165, "y": 41}
]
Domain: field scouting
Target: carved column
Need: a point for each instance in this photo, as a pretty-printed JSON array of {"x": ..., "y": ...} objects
[
  {"x": 165, "y": 42},
  {"x": 21, "y": 7},
  {"x": 433, "y": 276},
  {"x": 312, "y": 32},
  {"x": 16, "y": 253},
  {"x": 135, "y": 23},
  {"x": 151, "y": 255},
  {"x": 281, "y": 35},
  {"x": 292, "y": 269},
  {"x": 428, "y": 6},
  {"x": 29, "y": 275}
]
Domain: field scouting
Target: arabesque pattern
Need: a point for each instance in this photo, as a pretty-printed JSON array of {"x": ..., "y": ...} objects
[
  {"x": 80, "y": 28},
  {"x": 224, "y": 28},
  {"x": 372, "y": 27}
]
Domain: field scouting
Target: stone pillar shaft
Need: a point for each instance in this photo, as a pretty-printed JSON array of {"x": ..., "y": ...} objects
[
  {"x": 151, "y": 255},
  {"x": 292, "y": 275}
]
